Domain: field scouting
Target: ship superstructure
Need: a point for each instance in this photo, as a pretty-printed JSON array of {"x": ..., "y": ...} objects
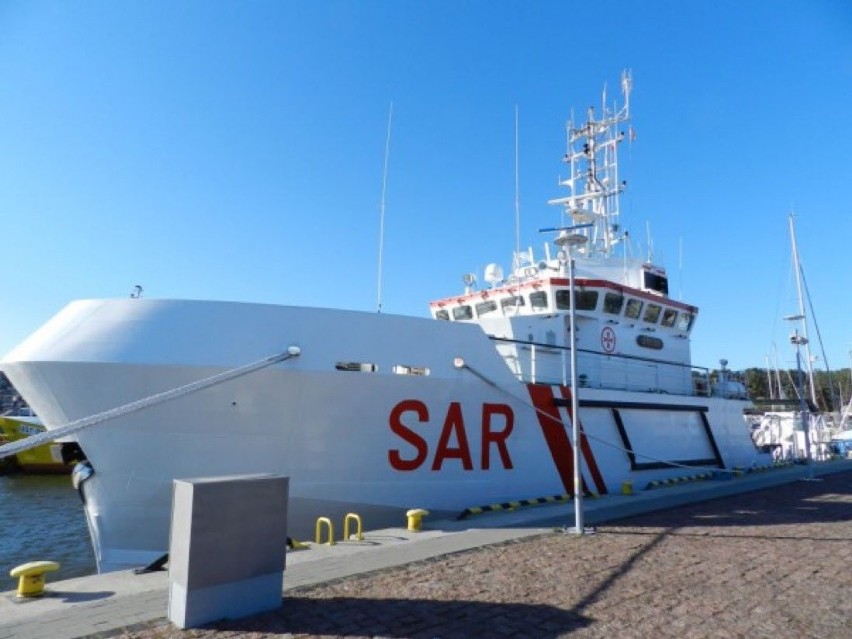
[{"x": 630, "y": 334}]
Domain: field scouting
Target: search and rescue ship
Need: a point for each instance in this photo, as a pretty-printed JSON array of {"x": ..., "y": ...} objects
[{"x": 377, "y": 413}]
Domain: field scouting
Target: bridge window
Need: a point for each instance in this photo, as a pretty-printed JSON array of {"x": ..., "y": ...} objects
[
  {"x": 652, "y": 313},
  {"x": 633, "y": 308},
  {"x": 512, "y": 302},
  {"x": 585, "y": 300},
  {"x": 613, "y": 303},
  {"x": 658, "y": 283},
  {"x": 538, "y": 300},
  {"x": 484, "y": 308},
  {"x": 669, "y": 317},
  {"x": 462, "y": 313},
  {"x": 442, "y": 314},
  {"x": 684, "y": 321},
  {"x": 646, "y": 341}
]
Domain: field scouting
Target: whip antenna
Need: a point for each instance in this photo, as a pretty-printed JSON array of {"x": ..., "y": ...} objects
[
  {"x": 382, "y": 212},
  {"x": 517, "y": 191}
]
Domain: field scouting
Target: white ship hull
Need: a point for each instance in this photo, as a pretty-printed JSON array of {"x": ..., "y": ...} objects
[{"x": 373, "y": 442}]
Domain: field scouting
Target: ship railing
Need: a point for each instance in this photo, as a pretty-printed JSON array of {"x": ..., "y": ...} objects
[{"x": 536, "y": 362}]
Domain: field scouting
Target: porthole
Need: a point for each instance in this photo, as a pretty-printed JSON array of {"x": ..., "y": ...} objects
[{"x": 646, "y": 341}]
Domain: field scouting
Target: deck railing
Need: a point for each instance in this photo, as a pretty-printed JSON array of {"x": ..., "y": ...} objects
[{"x": 550, "y": 364}]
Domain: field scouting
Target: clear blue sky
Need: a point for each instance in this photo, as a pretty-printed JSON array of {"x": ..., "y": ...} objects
[{"x": 234, "y": 150}]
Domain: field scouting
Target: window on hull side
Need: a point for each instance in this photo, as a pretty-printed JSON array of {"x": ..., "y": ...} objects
[
  {"x": 402, "y": 369},
  {"x": 356, "y": 367}
]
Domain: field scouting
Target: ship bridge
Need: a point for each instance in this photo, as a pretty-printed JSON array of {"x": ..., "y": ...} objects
[{"x": 626, "y": 337}]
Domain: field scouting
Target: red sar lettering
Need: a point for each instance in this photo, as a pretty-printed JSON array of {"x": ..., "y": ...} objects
[{"x": 454, "y": 428}]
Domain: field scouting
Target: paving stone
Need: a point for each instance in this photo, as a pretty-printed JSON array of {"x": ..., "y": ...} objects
[{"x": 771, "y": 563}]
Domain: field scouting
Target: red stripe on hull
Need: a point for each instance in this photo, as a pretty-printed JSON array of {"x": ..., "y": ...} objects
[
  {"x": 554, "y": 433},
  {"x": 586, "y": 448}
]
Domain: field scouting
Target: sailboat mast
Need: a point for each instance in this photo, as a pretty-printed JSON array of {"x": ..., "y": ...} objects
[
  {"x": 798, "y": 268},
  {"x": 769, "y": 379}
]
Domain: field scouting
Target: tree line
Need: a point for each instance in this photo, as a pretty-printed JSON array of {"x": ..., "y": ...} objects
[{"x": 833, "y": 388}]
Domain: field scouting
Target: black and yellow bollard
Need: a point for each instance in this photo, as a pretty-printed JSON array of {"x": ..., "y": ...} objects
[{"x": 31, "y": 577}]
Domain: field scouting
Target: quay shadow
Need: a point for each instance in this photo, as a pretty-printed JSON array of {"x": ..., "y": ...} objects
[
  {"x": 407, "y": 618},
  {"x": 65, "y": 597},
  {"x": 80, "y": 597},
  {"x": 825, "y": 500}
]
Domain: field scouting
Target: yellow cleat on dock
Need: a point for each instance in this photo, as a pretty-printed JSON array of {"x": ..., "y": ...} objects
[{"x": 31, "y": 577}]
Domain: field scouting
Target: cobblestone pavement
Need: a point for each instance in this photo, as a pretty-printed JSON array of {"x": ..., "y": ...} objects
[{"x": 774, "y": 563}]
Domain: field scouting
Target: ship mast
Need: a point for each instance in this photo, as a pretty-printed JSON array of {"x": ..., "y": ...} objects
[{"x": 593, "y": 181}]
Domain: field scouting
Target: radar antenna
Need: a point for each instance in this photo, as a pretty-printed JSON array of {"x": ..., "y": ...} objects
[{"x": 593, "y": 180}]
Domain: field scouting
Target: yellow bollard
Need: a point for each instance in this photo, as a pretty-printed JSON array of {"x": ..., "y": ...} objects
[
  {"x": 357, "y": 519},
  {"x": 31, "y": 577},
  {"x": 327, "y": 522},
  {"x": 295, "y": 544},
  {"x": 627, "y": 487},
  {"x": 415, "y": 518}
]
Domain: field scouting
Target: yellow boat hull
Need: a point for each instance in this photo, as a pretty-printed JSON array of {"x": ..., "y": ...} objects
[{"x": 42, "y": 459}]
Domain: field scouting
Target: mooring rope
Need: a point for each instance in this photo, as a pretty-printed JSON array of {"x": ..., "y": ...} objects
[{"x": 76, "y": 426}]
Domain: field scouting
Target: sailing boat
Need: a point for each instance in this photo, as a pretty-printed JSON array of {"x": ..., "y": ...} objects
[{"x": 802, "y": 433}]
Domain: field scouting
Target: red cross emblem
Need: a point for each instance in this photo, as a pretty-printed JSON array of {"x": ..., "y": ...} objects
[{"x": 608, "y": 339}]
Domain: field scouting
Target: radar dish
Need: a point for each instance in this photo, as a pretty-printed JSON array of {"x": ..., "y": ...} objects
[
  {"x": 493, "y": 274},
  {"x": 570, "y": 239}
]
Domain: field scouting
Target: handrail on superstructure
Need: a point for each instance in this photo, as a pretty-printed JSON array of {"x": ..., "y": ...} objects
[
  {"x": 592, "y": 352},
  {"x": 700, "y": 385}
]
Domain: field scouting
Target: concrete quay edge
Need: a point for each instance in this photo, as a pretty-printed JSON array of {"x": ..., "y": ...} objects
[{"x": 100, "y": 604}]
